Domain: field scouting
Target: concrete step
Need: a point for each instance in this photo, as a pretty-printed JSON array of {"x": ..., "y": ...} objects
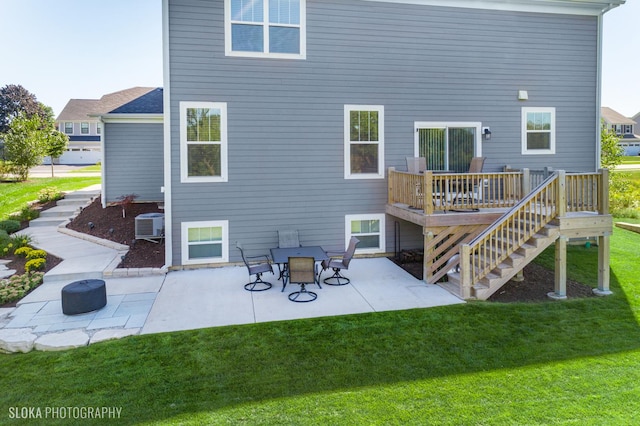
[
  {"x": 47, "y": 221},
  {"x": 77, "y": 202},
  {"x": 64, "y": 211},
  {"x": 89, "y": 195}
]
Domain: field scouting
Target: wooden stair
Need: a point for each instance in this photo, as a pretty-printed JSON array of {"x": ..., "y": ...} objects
[{"x": 509, "y": 267}]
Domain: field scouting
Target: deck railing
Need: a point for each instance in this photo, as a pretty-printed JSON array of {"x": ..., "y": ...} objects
[{"x": 434, "y": 192}]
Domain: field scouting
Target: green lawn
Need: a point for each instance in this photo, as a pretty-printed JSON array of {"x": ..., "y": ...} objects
[
  {"x": 635, "y": 159},
  {"x": 14, "y": 196},
  {"x": 92, "y": 168},
  {"x": 570, "y": 362}
]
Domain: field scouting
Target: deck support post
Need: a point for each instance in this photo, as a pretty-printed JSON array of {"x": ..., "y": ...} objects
[
  {"x": 560, "y": 287},
  {"x": 427, "y": 257},
  {"x": 465, "y": 271},
  {"x": 603, "y": 267}
]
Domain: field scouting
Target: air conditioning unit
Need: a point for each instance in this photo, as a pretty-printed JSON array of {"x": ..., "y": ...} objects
[{"x": 149, "y": 226}]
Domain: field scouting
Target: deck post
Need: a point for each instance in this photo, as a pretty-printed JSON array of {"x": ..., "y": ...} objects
[
  {"x": 603, "y": 196},
  {"x": 560, "y": 286},
  {"x": 603, "y": 267},
  {"x": 561, "y": 201},
  {"x": 526, "y": 183},
  {"x": 427, "y": 191},
  {"x": 465, "y": 271},
  {"x": 390, "y": 199},
  {"x": 427, "y": 277}
]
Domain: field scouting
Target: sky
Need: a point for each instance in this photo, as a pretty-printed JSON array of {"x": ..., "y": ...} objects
[{"x": 83, "y": 49}]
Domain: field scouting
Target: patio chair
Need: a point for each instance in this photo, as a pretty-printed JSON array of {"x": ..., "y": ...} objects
[
  {"x": 288, "y": 238},
  {"x": 466, "y": 188},
  {"x": 302, "y": 271},
  {"x": 256, "y": 265},
  {"x": 339, "y": 261},
  {"x": 416, "y": 165}
]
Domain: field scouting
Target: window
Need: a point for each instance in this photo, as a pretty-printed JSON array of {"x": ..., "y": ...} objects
[
  {"x": 98, "y": 128},
  {"x": 84, "y": 128},
  {"x": 205, "y": 242},
  {"x": 68, "y": 128},
  {"x": 538, "y": 131},
  {"x": 627, "y": 129},
  {"x": 265, "y": 28},
  {"x": 203, "y": 142},
  {"x": 369, "y": 229},
  {"x": 364, "y": 142}
]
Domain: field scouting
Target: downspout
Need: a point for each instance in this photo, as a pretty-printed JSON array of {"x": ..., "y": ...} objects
[
  {"x": 166, "y": 108},
  {"x": 103, "y": 165}
]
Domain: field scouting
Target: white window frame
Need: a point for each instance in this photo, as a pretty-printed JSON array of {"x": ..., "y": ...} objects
[
  {"x": 82, "y": 128},
  {"x": 98, "y": 128},
  {"x": 65, "y": 128},
  {"x": 184, "y": 164},
  {"x": 477, "y": 144},
  {"x": 265, "y": 25},
  {"x": 552, "y": 131},
  {"x": 347, "y": 142},
  {"x": 382, "y": 234},
  {"x": 224, "y": 224}
]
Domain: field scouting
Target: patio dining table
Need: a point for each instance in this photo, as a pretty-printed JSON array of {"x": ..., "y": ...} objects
[{"x": 281, "y": 256}]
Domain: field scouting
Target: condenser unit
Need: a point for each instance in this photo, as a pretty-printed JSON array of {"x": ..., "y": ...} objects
[{"x": 150, "y": 226}]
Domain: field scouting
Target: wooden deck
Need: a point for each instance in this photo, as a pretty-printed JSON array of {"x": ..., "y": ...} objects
[{"x": 482, "y": 227}]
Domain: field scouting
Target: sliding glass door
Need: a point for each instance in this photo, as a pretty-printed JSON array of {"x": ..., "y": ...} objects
[{"x": 447, "y": 146}]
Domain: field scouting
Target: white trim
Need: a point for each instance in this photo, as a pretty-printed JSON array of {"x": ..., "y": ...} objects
[
  {"x": 132, "y": 118},
  {"x": 166, "y": 105},
  {"x": 184, "y": 176},
  {"x": 185, "y": 226},
  {"x": 381, "y": 217},
  {"x": 103, "y": 168},
  {"x": 565, "y": 7},
  {"x": 265, "y": 25},
  {"x": 348, "y": 142},
  {"x": 552, "y": 131}
]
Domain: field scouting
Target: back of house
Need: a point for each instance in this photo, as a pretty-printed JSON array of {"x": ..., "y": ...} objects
[{"x": 286, "y": 114}]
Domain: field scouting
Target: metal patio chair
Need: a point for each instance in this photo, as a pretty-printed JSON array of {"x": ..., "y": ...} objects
[
  {"x": 288, "y": 238},
  {"x": 256, "y": 265},
  {"x": 466, "y": 188},
  {"x": 302, "y": 271},
  {"x": 416, "y": 165},
  {"x": 338, "y": 262}
]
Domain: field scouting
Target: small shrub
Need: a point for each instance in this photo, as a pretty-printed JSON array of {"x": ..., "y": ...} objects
[
  {"x": 4, "y": 236},
  {"x": 50, "y": 193},
  {"x": 9, "y": 225},
  {"x": 18, "y": 286},
  {"x": 125, "y": 201},
  {"x": 21, "y": 240},
  {"x": 23, "y": 251},
  {"x": 6, "y": 249},
  {"x": 37, "y": 254},
  {"x": 6, "y": 168},
  {"x": 35, "y": 264},
  {"x": 27, "y": 213}
]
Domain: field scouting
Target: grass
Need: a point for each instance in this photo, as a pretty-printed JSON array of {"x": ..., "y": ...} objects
[
  {"x": 570, "y": 362},
  {"x": 631, "y": 159},
  {"x": 15, "y": 195},
  {"x": 92, "y": 168}
]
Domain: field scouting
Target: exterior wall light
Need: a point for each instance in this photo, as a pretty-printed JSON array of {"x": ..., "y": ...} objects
[{"x": 486, "y": 132}]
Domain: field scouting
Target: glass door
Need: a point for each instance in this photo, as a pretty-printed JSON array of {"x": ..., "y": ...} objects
[{"x": 448, "y": 146}]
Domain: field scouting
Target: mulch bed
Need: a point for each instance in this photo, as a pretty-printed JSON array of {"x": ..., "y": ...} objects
[
  {"x": 109, "y": 224},
  {"x": 538, "y": 281}
]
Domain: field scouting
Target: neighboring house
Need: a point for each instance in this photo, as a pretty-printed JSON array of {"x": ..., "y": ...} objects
[
  {"x": 282, "y": 114},
  {"x": 78, "y": 121},
  {"x": 625, "y": 128}
]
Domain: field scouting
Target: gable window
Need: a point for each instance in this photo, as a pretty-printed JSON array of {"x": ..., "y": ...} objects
[
  {"x": 538, "y": 131},
  {"x": 205, "y": 242},
  {"x": 68, "y": 127},
  {"x": 369, "y": 229},
  {"x": 364, "y": 141},
  {"x": 84, "y": 128},
  {"x": 203, "y": 142},
  {"x": 265, "y": 28}
]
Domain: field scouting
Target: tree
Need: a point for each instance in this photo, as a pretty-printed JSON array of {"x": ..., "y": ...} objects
[
  {"x": 56, "y": 145},
  {"x": 16, "y": 100},
  {"x": 26, "y": 143},
  {"x": 620, "y": 196}
]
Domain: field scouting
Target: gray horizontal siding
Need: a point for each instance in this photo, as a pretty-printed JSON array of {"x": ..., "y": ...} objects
[
  {"x": 134, "y": 161},
  {"x": 286, "y": 117}
]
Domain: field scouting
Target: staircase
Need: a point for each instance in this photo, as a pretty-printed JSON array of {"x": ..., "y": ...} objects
[
  {"x": 496, "y": 255},
  {"x": 508, "y": 268}
]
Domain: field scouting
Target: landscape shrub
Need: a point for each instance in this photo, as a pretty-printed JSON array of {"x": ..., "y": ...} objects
[
  {"x": 21, "y": 240},
  {"x": 7, "y": 168},
  {"x": 26, "y": 214},
  {"x": 35, "y": 264},
  {"x": 23, "y": 251},
  {"x": 18, "y": 286},
  {"x": 4, "y": 236},
  {"x": 37, "y": 254},
  {"x": 50, "y": 193},
  {"x": 9, "y": 225}
]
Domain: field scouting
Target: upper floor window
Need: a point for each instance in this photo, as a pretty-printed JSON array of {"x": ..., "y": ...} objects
[
  {"x": 98, "y": 128},
  {"x": 265, "y": 28},
  {"x": 203, "y": 142},
  {"x": 84, "y": 128},
  {"x": 538, "y": 131},
  {"x": 364, "y": 141},
  {"x": 68, "y": 127}
]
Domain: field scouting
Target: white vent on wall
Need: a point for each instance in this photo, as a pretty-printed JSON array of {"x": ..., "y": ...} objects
[{"x": 149, "y": 226}]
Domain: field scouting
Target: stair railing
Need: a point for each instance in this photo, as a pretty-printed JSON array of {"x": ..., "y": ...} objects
[{"x": 490, "y": 248}]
